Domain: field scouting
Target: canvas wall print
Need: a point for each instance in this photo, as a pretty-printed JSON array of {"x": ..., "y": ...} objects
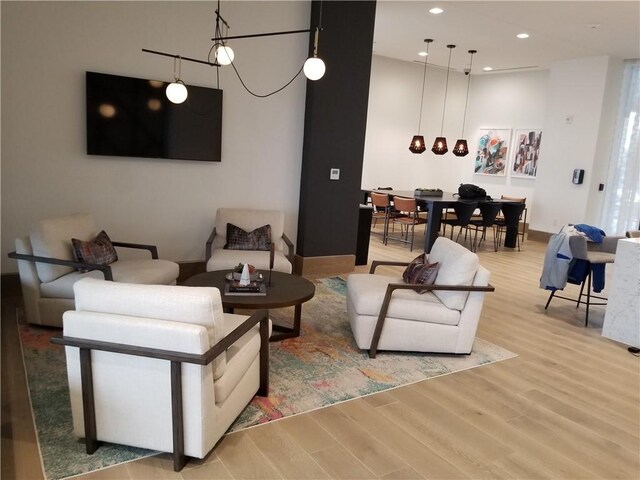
[
  {"x": 492, "y": 150},
  {"x": 526, "y": 150}
]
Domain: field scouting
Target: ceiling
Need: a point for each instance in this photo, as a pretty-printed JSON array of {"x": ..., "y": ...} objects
[{"x": 559, "y": 30}]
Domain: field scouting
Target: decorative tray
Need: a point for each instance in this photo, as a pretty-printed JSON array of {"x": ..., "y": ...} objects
[{"x": 428, "y": 192}]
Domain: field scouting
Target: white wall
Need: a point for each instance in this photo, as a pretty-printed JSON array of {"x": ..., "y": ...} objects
[
  {"x": 46, "y": 49},
  {"x": 587, "y": 90},
  {"x": 514, "y": 100},
  {"x": 578, "y": 128}
]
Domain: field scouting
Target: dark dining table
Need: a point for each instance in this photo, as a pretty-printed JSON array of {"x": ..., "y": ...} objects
[{"x": 434, "y": 205}]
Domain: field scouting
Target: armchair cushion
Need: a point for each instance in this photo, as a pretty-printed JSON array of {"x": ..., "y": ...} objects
[
  {"x": 239, "y": 239},
  {"x": 458, "y": 266},
  {"x": 99, "y": 251},
  {"x": 143, "y": 271},
  {"x": 366, "y": 294},
  {"x": 222, "y": 259},
  {"x": 52, "y": 238}
]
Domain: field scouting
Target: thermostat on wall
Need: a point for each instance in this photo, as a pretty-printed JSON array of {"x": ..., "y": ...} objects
[
  {"x": 334, "y": 174},
  {"x": 578, "y": 176}
]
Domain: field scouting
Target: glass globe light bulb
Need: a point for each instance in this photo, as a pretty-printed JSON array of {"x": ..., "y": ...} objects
[
  {"x": 177, "y": 92},
  {"x": 314, "y": 68},
  {"x": 224, "y": 55}
]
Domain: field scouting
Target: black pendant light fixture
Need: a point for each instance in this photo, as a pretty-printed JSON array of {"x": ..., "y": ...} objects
[
  {"x": 461, "y": 149},
  {"x": 440, "y": 143},
  {"x": 417, "y": 142}
]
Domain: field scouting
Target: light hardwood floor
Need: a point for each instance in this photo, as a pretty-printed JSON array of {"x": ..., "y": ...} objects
[{"x": 567, "y": 407}]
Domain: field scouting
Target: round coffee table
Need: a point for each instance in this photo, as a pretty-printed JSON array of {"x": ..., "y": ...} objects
[{"x": 285, "y": 290}]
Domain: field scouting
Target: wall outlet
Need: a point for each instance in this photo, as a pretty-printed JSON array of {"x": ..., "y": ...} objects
[{"x": 334, "y": 174}]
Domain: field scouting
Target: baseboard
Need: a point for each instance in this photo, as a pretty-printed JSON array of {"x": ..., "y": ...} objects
[
  {"x": 328, "y": 265},
  {"x": 538, "y": 235},
  {"x": 10, "y": 285}
]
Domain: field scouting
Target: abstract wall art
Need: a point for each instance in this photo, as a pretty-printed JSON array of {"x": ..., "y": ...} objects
[
  {"x": 526, "y": 150},
  {"x": 491, "y": 151}
]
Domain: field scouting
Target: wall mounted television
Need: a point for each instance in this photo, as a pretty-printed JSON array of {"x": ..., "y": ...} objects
[{"x": 132, "y": 117}]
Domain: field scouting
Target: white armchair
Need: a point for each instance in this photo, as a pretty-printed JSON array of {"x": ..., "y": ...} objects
[
  {"x": 220, "y": 258},
  {"x": 48, "y": 269},
  {"x": 387, "y": 314},
  {"x": 160, "y": 367}
]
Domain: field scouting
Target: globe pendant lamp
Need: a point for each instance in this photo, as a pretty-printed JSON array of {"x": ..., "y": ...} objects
[
  {"x": 417, "y": 142},
  {"x": 461, "y": 149},
  {"x": 224, "y": 55},
  {"x": 440, "y": 143},
  {"x": 314, "y": 67},
  {"x": 177, "y": 91}
]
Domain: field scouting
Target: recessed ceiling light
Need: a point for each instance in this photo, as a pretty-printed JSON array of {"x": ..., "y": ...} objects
[
  {"x": 487, "y": 69},
  {"x": 436, "y": 10},
  {"x": 423, "y": 54},
  {"x": 523, "y": 35}
]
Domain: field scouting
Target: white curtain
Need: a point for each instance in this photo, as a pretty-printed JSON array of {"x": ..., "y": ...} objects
[{"x": 621, "y": 209}]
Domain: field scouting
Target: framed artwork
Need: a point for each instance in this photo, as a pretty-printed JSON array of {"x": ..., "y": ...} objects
[
  {"x": 526, "y": 150},
  {"x": 491, "y": 151}
]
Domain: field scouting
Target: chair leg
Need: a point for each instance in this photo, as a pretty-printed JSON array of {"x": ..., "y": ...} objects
[
  {"x": 586, "y": 317},
  {"x": 553, "y": 292}
]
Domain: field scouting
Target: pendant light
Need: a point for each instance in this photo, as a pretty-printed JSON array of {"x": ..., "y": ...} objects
[
  {"x": 314, "y": 67},
  {"x": 177, "y": 91},
  {"x": 417, "y": 142},
  {"x": 440, "y": 143},
  {"x": 461, "y": 149}
]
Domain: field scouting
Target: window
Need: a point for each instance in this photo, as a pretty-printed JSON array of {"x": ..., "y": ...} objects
[{"x": 621, "y": 209}]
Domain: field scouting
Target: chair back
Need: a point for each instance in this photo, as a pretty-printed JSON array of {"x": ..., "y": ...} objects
[
  {"x": 464, "y": 212},
  {"x": 489, "y": 212},
  {"x": 514, "y": 199},
  {"x": 52, "y": 238},
  {"x": 249, "y": 219},
  {"x": 380, "y": 200},
  {"x": 512, "y": 213},
  {"x": 404, "y": 204}
]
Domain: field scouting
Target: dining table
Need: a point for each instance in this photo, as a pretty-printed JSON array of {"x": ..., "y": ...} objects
[{"x": 434, "y": 206}]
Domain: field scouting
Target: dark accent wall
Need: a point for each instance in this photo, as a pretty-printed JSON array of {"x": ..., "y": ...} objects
[{"x": 334, "y": 129}]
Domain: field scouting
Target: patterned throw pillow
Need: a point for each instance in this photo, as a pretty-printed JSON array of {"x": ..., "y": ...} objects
[
  {"x": 258, "y": 239},
  {"x": 420, "y": 272},
  {"x": 99, "y": 251}
]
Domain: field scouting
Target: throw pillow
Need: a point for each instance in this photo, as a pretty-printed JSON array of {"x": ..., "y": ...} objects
[
  {"x": 239, "y": 239},
  {"x": 420, "y": 272},
  {"x": 99, "y": 251}
]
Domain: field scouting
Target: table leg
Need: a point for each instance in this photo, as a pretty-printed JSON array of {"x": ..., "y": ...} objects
[
  {"x": 288, "y": 332},
  {"x": 511, "y": 237},
  {"x": 433, "y": 225}
]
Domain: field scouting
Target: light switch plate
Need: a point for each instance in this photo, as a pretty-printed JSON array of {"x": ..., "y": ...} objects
[{"x": 334, "y": 174}]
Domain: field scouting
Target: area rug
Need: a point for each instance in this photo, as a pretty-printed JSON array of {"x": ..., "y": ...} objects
[{"x": 321, "y": 367}]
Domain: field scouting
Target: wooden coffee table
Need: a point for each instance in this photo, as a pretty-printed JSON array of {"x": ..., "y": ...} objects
[{"x": 286, "y": 290}]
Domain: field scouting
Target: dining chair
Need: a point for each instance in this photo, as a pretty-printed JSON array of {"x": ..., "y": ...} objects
[
  {"x": 524, "y": 212},
  {"x": 488, "y": 211},
  {"x": 512, "y": 212},
  {"x": 463, "y": 212},
  {"x": 381, "y": 210},
  {"x": 407, "y": 216}
]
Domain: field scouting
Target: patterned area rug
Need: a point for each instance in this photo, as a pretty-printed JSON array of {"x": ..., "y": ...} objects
[{"x": 320, "y": 368}]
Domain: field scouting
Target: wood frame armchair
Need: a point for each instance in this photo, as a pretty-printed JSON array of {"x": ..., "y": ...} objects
[
  {"x": 392, "y": 287},
  {"x": 177, "y": 359},
  {"x": 160, "y": 367},
  {"x": 386, "y": 313}
]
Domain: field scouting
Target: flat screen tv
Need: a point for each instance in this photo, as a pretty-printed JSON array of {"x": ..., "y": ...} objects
[{"x": 132, "y": 117}]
